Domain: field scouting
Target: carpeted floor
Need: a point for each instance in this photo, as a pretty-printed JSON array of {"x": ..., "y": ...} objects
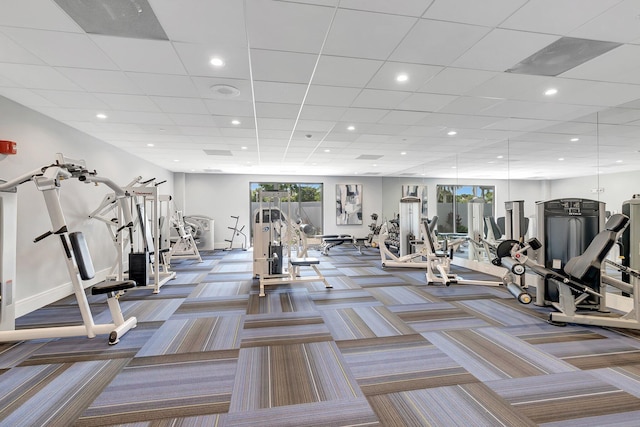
[{"x": 381, "y": 348}]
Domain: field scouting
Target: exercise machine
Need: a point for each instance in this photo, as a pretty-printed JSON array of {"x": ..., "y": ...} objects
[
  {"x": 236, "y": 233},
  {"x": 404, "y": 237},
  {"x": 202, "y": 230},
  {"x": 630, "y": 239},
  {"x": 274, "y": 236},
  {"x": 580, "y": 285},
  {"x": 78, "y": 261},
  {"x": 565, "y": 229},
  {"x": 183, "y": 245}
]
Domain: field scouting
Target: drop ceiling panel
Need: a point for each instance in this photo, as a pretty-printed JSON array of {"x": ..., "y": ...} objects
[
  {"x": 128, "y": 102},
  {"x": 172, "y": 104},
  {"x": 274, "y": 110},
  {"x": 366, "y": 35},
  {"x": 315, "y": 125},
  {"x": 229, "y": 108},
  {"x": 618, "y": 24},
  {"x": 317, "y": 112},
  {"x": 406, "y": 7},
  {"x": 469, "y": 105},
  {"x": 364, "y": 115},
  {"x": 279, "y": 25},
  {"x": 343, "y": 71},
  {"x": 385, "y": 99},
  {"x": 425, "y": 102},
  {"x": 101, "y": 81},
  {"x": 488, "y": 13},
  {"x": 196, "y": 21},
  {"x": 457, "y": 81},
  {"x": 331, "y": 96},
  {"x": 37, "y": 77},
  {"x": 277, "y": 66},
  {"x": 196, "y": 57},
  {"x": 288, "y": 93},
  {"x": 67, "y": 99},
  {"x": 620, "y": 65},
  {"x": 211, "y": 87},
  {"x": 11, "y": 51},
  {"x": 403, "y": 117},
  {"x": 39, "y": 14},
  {"x": 424, "y": 43},
  {"x": 147, "y": 56},
  {"x": 276, "y": 124},
  {"x": 192, "y": 119},
  {"x": 501, "y": 49},
  {"x": 417, "y": 75},
  {"x": 25, "y": 97},
  {"x": 556, "y": 16},
  {"x": 164, "y": 84}
]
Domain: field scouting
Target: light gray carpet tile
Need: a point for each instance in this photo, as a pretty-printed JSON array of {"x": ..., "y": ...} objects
[
  {"x": 144, "y": 310},
  {"x": 499, "y": 313},
  {"x": 625, "y": 378},
  {"x": 194, "y": 335},
  {"x": 482, "y": 357},
  {"x": 52, "y": 394},
  {"x": 376, "y": 281},
  {"x": 594, "y": 354},
  {"x": 227, "y": 277},
  {"x": 344, "y": 298},
  {"x": 285, "y": 375},
  {"x": 57, "y": 315},
  {"x": 465, "y": 292},
  {"x": 364, "y": 322},
  {"x": 564, "y": 396},
  {"x": 339, "y": 283},
  {"x": 543, "y": 332},
  {"x": 372, "y": 272},
  {"x": 283, "y": 328},
  {"x": 12, "y": 354},
  {"x": 166, "y": 292},
  {"x": 621, "y": 419},
  {"x": 436, "y": 316},
  {"x": 186, "y": 278},
  {"x": 233, "y": 267},
  {"x": 351, "y": 412},
  {"x": 400, "y": 295},
  {"x": 210, "y": 306},
  {"x": 401, "y": 363},
  {"x": 464, "y": 405},
  {"x": 165, "y": 387},
  {"x": 221, "y": 289}
]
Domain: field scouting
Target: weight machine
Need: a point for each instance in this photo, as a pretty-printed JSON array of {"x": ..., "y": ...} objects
[
  {"x": 404, "y": 236},
  {"x": 236, "y": 232},
  {"x": 78, "y": 261},
  {"x": 184, "y": 245},
  {"x": 274, "y": 236}
]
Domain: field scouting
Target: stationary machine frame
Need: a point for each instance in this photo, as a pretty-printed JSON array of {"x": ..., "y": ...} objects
[
  {"x": 274, "y": 235},
  {"x": 48, "y": 180},
  {"x": 410, "y": 239},
  {"x": 237, "y": 232}
]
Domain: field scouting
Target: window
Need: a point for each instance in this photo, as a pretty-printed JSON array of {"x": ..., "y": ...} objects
[
  {"x": 306, "y": 201},
  {"x": 453, "y": 205}
]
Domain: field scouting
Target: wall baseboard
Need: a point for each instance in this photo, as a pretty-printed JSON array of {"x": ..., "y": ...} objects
[{"x": 34, "y": 302}]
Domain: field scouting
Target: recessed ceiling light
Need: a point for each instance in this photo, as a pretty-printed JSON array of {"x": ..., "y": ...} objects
[
  {"x": 235, "y": 122},
  {"x": 216, "y": 62},
  {"x": 374, "y": 165},
  {"x": 351, "y": 128},
  {"x": 176, "y": 160},
  {"x": 243, "y": 148},
  {"x": 101, "y": 116},
  {"x": 313, "y": 164},
  {"x": 561, "y": 158},
  {"x": 618, "y": 161},
  {"x": 404, "y": 153},
  {"x": 150, "y": 145},
  {"x": 402, "y": 77},
  {"x": 551, "y": 91},
  {"x": 193, "y": 170},
  {"x": 500, "y": 157},
  {"x": 575, "y": 139},
  {"x": 453, "y": 167},
  {"x": 452, "y": 132},
  {"x": 491, "y": 162},
  {"x": 327, "y": 151}
]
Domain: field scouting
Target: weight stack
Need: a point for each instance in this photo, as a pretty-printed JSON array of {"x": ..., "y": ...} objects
[{"x": 138, "y": 271}]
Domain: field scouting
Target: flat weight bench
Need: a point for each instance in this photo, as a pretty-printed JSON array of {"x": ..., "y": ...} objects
[
  {"x": 329, "y": 241},
  {"x": 110, "y": 288},
  {"x": 294, "y": 274}
]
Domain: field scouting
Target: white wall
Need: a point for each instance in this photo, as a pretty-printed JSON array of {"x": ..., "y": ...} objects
[
  {"x": 617, "y": 188},
  {"x": 41, "y": 273},
  {"x": 220, "y": 196}
]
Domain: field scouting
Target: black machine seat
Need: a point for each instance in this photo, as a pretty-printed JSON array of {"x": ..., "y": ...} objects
[
  {"x": 87, "y": 272},
  {"x": 304, "y": 261},
  {"x": 586, "y": 267}
]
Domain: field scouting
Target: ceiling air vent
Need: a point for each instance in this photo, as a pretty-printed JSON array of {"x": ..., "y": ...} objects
[
  {"x": 122, "y": 18},
  {"x": 371, "y": 173},
  {"x": 218, "y": 152},
  {"x": 368, "y": 157},
  {"x": 562, "y": 55},
  {"x": 225, "y": 91},
  {"x": 213, "y": 170}
]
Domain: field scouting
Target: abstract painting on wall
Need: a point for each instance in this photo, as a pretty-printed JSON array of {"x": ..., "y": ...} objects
[{"x": 349, "y": 204}]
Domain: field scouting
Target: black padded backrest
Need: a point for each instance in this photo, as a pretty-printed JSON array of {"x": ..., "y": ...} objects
[
  {"x": 82, "y": 255},
  {"x": 587, "y": 265}
]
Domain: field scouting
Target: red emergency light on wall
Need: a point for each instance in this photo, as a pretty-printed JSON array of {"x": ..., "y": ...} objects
[{"x": 8, "y": 147}]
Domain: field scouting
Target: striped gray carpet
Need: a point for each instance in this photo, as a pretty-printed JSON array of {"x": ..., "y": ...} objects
[{"x": 379, "y": 349}]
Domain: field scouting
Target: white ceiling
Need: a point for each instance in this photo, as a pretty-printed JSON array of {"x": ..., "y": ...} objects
[{"x": 308, "y": 70}]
